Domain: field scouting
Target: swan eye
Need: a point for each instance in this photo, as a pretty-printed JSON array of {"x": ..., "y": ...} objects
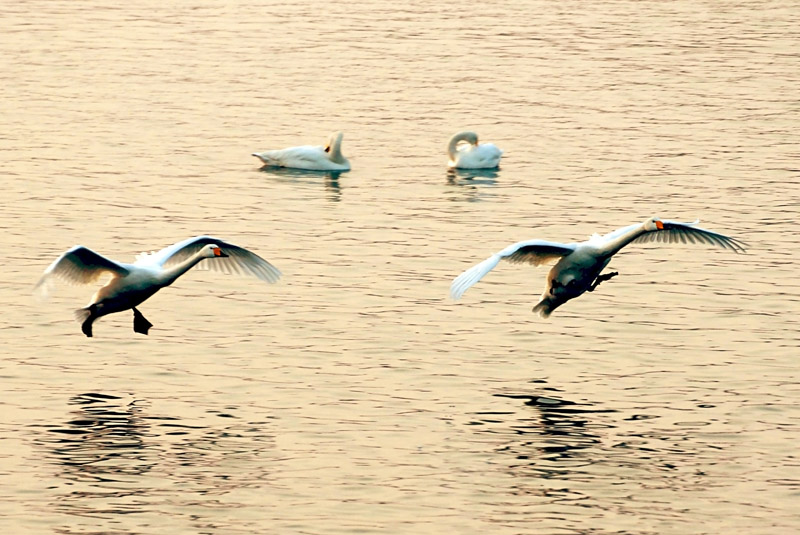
[{"x": 328, "y": 148}]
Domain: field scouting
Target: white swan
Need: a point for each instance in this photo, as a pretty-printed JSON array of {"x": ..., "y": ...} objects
[
  {"x": 472, "y": 155},
  {"x": 328, "y": 158},
  {"x": 132, "y": 284},
  {"x": 578, "y": 265}
]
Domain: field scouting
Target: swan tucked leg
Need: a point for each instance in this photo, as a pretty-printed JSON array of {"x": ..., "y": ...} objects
[
  {"x": 140, "y": 323},
  {"x": 602, "y": 278}
]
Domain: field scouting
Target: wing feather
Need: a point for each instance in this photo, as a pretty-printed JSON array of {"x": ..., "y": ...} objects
[
  {"x": 78, "y": 265},
  {"x": 675, "y": 231},
  {"x": 293, "y": 156},
  {"x": 239, "y": 261},
  {"x": 536, "y": 252}
]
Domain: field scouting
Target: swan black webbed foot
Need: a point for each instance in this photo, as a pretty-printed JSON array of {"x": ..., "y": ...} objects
[
  {"x": 602, "y": 278},
  {"x": 86, "y": 326},
  {"x": 140, "y": 323},
  {"x": 88, "y": 314}
]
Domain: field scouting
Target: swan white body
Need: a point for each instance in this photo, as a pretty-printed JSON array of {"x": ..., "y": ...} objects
[
  {"x": 327, "y": 158},
  {"x": 132, "y": 284},
  {"x": 578, "y": 265},
  {"x": 472, "y": 155}
]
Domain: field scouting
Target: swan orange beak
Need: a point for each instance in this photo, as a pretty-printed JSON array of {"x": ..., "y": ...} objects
[
  {"x": 659, "y": 225},
  {"x": 218, "y": 252}
]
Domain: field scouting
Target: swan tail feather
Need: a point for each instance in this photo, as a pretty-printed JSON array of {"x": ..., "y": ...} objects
[
  {"x": 86, "y": 318},
  {"x": 266, "y": 158},
  {"x": 82, "y": 314}
]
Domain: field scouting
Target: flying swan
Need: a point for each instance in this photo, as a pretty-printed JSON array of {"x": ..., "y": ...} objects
[
  {"x": 132, "y": 284},
  {"x": 578, "y": 265},
  {"x": 327, "y": 158},
  {"x": 471, "y": 155}
]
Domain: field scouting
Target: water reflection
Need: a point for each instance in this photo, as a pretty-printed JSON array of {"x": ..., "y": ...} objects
[
  {"x": 551, "y": 441},
  {"x": 550, "y": 448},
  {"x": 475, "y": 183},
  {"x": 112, "y": 457},
  {"x": 101, "y": 454},
  {"x": 104, "y": 440},
  {"x": 560, "y": 453},
  {"x": 475, "y": 177},
  {"x": 305, "y": 176}
]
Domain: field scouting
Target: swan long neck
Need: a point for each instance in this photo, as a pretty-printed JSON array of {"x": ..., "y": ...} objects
[
  {"x": 168, "y": 276},
  {"x": 612, "y": 247},
  {"x": 454, "y": 141},
  {"x": 335, "y": 154}
]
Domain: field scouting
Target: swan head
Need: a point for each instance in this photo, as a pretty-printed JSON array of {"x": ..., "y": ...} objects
[
  {"x": 212, "y": 250},
  {"x": 453, "y": 148},
  {"x": 468, "y": 136},
  {"x": 653, "y": 224},
  {"x": 471, "y": 138}
]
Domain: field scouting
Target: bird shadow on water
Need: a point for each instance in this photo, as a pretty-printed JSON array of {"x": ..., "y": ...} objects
[{"x": 308, "y": 177}]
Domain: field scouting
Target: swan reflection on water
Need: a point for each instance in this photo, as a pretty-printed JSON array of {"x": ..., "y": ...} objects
[
  {"x": 474, "y": 185},
  {"x": 113, "y": 456},
  {"x": 559, "y": 431},
  {"x": 105, "y": 440},
  {"x": 550, "y": 442},
  {"x": 304, "y": 176},
  {"x": 472, "y": 177}
]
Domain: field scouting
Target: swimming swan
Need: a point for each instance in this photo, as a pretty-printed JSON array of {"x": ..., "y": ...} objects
[
  {"x": 132, "y": 284},
  {"x": 578, "y": 265},
  {"x": 472, "y": 155},
  {"x": 328, "y": 158}
]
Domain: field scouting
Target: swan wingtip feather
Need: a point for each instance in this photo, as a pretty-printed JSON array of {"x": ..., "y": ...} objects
[
  {"x": 468, "y": 278},
  {"x": 42, "y": 290}
]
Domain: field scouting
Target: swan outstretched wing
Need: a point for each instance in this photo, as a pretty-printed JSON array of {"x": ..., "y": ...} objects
[
  {"x": 677, "y": 232},
  {"x": 665, "y": 231},
  {"x": 239, "y": 261},
  {"x": 536, "y": 252},
  {"x": 78, "y": 265}
]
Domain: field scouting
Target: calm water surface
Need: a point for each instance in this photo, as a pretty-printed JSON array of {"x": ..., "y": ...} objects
[{"x": 354, "y": 396}]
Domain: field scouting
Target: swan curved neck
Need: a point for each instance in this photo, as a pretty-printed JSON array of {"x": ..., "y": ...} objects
[
  {"x": 455, "y": 140},
  {"x": 335, "y": 154},
  {"x": 168, "y": 276}
]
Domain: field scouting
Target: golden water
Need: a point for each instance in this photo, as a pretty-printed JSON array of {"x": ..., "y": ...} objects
[{"x": 354, "y": 396}]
